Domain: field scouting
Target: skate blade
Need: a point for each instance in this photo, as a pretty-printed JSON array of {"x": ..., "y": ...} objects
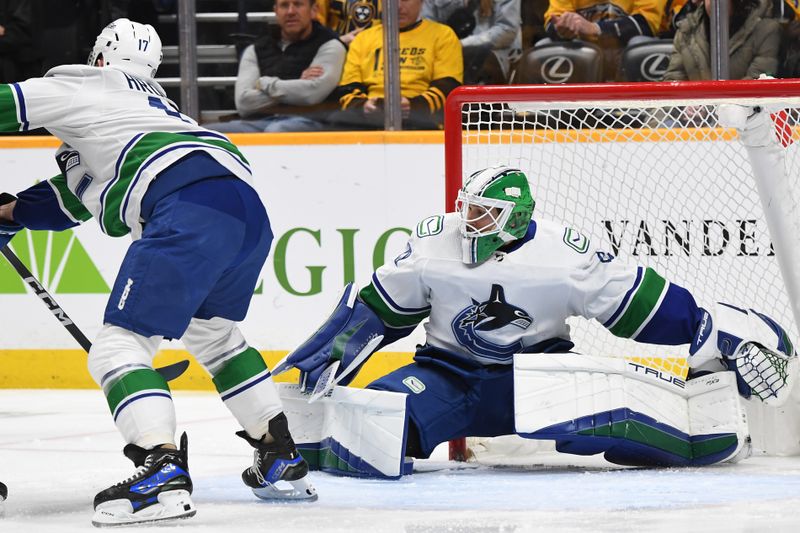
[
  {"x": 172, "y": 505},
  {"x": 300, "y": 490}
]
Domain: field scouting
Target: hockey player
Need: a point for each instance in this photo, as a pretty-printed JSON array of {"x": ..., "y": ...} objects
[
  {"x": 492, "y": 283},
  {"x": 200, "y": 238}
]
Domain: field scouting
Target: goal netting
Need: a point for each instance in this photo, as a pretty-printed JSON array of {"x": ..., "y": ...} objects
[{"x": 645, "y": 171}]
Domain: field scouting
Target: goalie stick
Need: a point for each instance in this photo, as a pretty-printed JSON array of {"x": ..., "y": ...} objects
[{"x": 169, "y": 372}]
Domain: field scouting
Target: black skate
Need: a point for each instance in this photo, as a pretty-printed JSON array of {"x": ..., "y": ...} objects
[
  {"x": 3, "y": 496},
  {"x": 159, "y": 489},
  {"x": 277, "y": 462}
]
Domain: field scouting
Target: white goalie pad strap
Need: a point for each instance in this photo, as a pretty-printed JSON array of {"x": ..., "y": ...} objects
[
  {"x": 355, "y": 432},
  {"x": 633, "y": 413}
]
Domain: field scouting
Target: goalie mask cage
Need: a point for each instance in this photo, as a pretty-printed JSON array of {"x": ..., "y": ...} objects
[{"x": 644, "y": 171}]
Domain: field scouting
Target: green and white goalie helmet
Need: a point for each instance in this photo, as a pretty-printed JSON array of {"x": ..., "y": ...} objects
[
  {"x": 495, "y": 207},
  {"x": 128, "y": 46}
]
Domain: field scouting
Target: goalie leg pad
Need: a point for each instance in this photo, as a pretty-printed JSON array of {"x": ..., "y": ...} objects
[
  {"x": 590, "y": 405},
  {"x": 352, "y": 432}
]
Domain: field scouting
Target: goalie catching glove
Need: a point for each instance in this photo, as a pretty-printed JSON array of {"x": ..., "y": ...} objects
[
  {"x": 752, "y": 345},
  {"x": 337, "y": 350}
]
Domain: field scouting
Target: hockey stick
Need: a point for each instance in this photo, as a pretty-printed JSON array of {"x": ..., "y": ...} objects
[{"x": 168, "y": 372}]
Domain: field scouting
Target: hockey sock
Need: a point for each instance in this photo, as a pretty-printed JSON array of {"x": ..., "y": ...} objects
[{"x": 246, "y": 387}]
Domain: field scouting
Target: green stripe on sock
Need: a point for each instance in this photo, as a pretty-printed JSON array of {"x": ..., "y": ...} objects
[
  {"x": 239, "y": 369},
  {"x": 8, "y": 109},
  {"x": 373, "y": 299},
  {"x": 133, "y": 382},
  {"x": 642, "y": 304}
]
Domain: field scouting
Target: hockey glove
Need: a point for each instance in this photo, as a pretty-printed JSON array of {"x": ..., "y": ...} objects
[
  {"x": 752, "y": 345},
  {"x": 8, "y": 228},
  {"x": 334, "y": 354}
]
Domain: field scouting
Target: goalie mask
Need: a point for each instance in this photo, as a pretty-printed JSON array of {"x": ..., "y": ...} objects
[
  {"x": 495, "y": 207},
  {"x": 128, "y": 46}
]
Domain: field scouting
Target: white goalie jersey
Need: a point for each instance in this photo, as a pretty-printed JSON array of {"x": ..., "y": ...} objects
[
  {"x": 520, "y": 298},
  {"x": 102, "y": 114}
]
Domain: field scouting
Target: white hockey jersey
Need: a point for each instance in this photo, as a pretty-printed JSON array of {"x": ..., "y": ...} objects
[
  {"x": 519, "y": 300},
  {"x": 124, "y": 130}
]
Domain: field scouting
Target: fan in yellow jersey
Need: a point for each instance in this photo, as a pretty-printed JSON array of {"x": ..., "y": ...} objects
[
  {"x": 430, "y": 67},
  {"x": 616, "y": 20}
]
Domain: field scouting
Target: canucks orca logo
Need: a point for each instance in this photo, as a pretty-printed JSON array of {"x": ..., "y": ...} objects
[{"x": 494, "y": 314}]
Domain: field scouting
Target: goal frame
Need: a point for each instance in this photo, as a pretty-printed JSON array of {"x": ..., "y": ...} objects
[
  {"x": 579, "y": 92},
  {"x": 576, "y": 93}
]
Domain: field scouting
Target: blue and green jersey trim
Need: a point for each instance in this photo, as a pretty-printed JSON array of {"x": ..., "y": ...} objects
[
  {"x": 639, "y": 305},
  {"x": 390, "y": 312},
  {"x": 140, "y": 153},
  {"x": 13, "y": 111}
]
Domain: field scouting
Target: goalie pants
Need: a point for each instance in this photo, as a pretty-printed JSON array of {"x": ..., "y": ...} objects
[{"x": 450, "y": 397}]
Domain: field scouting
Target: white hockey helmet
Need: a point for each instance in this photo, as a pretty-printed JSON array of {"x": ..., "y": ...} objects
[{"x": 128, "y": 46}]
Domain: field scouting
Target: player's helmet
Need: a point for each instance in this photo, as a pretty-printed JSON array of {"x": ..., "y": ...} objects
[
  {"x": 495, "y": 206},
  {"x": 128, "y": 46}
]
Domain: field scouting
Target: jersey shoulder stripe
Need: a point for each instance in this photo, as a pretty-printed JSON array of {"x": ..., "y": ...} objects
[{"x": 140, "y": 153}]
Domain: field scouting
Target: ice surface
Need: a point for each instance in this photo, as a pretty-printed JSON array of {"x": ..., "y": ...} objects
[{"x": 58, "y": 448}]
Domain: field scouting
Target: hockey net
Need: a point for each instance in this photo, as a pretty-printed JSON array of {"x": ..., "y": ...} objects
[{"x": 644, "y": 171}]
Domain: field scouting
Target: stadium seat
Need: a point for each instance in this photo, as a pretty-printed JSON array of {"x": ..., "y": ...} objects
[
  {"x": 561, "y": 62},
  {"x": 646, "y": 59}
]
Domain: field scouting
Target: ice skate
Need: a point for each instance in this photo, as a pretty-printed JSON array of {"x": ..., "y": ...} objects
[
  {"x": 276, "y": 465},
  {"x": 159, "y": 490}
]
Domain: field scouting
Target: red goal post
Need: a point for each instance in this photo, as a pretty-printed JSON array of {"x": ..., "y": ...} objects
[{"x": 524, "y": 115}]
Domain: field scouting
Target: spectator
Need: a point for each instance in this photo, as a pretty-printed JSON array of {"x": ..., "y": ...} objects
[
  {"x": 675, "y": 11},
  {"x": 430, "y": 67},
  {"x": 789, "y": 12},
  {"x": 490, "y": 33},
  {"x": 19, "y": 52},
  {"x": 610, "y": 24},
  {"x": 285, "y": 74},
  {"x": 753, "y": 45},
  {"x": 786, "y": 10},
  {"x": 533, "y": 21},
  {"x": 348, "y": 17}
]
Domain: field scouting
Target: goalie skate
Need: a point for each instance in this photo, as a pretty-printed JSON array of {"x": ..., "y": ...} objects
[
  {"x": 279, "y": 471},
  {"x": 159, "y": 490}
]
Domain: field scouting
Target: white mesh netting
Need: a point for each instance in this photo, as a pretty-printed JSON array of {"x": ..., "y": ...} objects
[{"x": 656, "y": 183}]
